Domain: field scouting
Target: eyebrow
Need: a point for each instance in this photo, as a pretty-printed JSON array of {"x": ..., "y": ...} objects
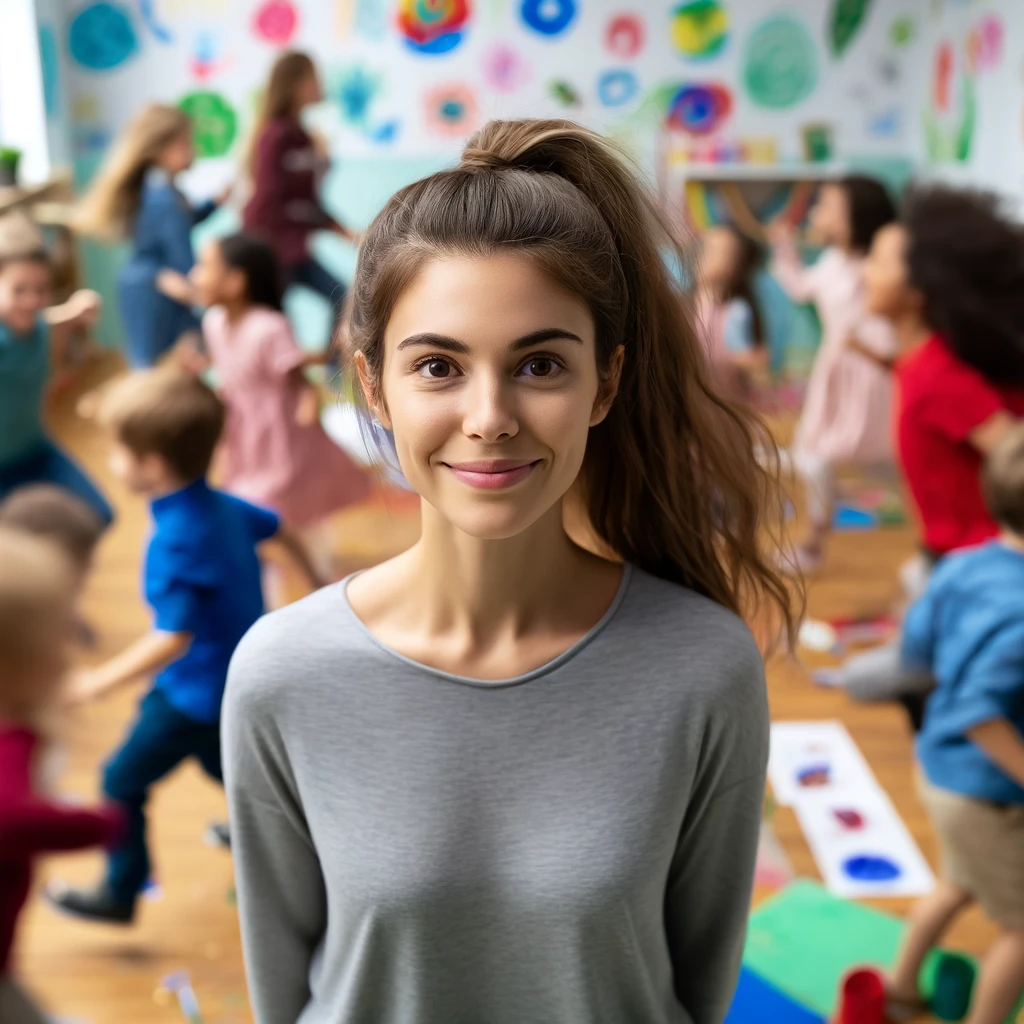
[{"x": 447, "y": 344}]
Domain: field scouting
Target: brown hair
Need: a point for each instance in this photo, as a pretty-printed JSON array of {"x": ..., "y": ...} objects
[
  {"x": 166, "y": 412},
  {"x": 57, "y": 515},
  {"x": 279, "y": 95},
  {"x": 21, "y": 240},
  {"x": 109, "y": 207},
  {"x": 671, "y": 479},
  {"x": 1002, "y": 480}
]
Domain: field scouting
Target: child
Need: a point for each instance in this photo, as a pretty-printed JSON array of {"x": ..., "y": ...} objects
[
  {"x": 276, "y": 451},
  {"x": 728, "y": 310},
  {"x": 134, "y": 196},
  {"x": 847, "y": 409},
  {"x": 27, "y": 319},
  {"x": 202, "y": 580},
  {"x": 950, "y": 279},
  {"x": 36, "y": 608},
  {"x": 968, "y": 630},
  {"x": 287, "y": 165}
]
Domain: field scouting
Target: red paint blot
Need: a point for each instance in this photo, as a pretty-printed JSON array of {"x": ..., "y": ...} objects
[
  {"x": 624, "y": 36},
  {"x": 850, "y": 818},
  {"x": 276, "y": 22},
  {"x": 943, "y": 76}
]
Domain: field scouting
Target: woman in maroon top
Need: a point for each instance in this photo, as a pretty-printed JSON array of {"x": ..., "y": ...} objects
[
  {"x": 950, "y": 277},
  {"x": 286, "y": 166}
]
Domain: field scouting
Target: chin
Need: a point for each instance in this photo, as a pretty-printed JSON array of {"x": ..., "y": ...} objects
[{"x": 494, "y": 523}]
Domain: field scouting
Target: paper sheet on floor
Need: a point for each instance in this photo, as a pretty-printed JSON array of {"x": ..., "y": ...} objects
[{"x": 813, "y": 755}]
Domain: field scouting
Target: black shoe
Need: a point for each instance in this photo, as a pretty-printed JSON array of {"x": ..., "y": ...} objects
[
  {"x": 96, "y": 904},
  {"x": 219, "y": 834}
]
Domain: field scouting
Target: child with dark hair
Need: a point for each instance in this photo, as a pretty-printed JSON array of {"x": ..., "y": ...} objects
[
  {"x": 968, "y": 631},
  {"x": 950, "y": 278},
  {"x": 728, "y": 308},
  {"x": 276, "y": 453},
  {"x": 846, "y": 412},
  {"x": 202, "y": 580},
  {"x": 27, "y": 321}
]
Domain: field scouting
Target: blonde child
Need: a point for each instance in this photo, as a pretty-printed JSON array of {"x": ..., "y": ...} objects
[
  {"x": 276, "y": 453},
  {"x": 36, "y": 612},
  {"x": 27, "y": 323},
  {"x": 968, "y": 632},
  {"x": 847, "y": 411},
  {"x": 135, "y": 197}
]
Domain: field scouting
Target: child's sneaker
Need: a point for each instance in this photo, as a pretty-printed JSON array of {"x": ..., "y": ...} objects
[{"x": 96, "y": 904}]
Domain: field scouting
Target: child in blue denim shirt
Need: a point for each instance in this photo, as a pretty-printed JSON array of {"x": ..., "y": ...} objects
[{"x": 968, "y": 631}]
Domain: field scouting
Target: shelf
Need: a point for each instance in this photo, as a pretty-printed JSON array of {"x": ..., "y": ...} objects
[{"x": 754, "y": 172}]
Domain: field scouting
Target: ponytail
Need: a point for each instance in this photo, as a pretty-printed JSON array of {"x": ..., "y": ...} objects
[{"x": 671, "y": 479}]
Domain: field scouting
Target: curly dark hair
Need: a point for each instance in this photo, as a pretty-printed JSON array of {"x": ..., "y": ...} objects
[
  {"x": 966, "y": 258},
  {"x": 871, "y": 208}
]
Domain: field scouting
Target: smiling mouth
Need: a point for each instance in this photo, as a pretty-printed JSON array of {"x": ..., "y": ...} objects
[{"x": 492, "y": 476}]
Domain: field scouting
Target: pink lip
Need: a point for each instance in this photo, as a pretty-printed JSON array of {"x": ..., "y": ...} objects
[{"x": 493, "y": 476}]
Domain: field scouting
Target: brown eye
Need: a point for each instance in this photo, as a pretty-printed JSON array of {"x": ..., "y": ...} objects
[
  {"x": 540, "y": 368},
  {"x": 437, "y": 369}
]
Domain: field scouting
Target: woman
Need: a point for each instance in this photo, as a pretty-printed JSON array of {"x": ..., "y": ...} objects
[
  {"x": 287, "y": 166},
  {"x": 455, "y": 794}
]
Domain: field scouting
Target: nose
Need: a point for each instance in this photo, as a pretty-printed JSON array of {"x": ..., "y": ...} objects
[{"x": 489, "y": 413}]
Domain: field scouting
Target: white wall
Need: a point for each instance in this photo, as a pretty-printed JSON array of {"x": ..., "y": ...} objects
[{"x": 22, "y": 114}]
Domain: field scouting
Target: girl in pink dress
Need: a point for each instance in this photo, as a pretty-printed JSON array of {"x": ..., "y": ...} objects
[
  {"x": 276, "y": 453},
  {"x": 847, "y": 411}
]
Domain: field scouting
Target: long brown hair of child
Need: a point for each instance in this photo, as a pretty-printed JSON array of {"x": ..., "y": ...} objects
[
  {"x": 278, "y": 98},
  {"x": 741, "y": 283},
  {"x": 108, "y": 208},
  {"x": 673, "y": 480}
]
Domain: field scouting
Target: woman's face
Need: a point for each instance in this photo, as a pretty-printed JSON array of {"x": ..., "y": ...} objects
[
  {"x": 887, "y": 288},
  {"x": 830, "y": 216},
  {"x": 490, "y": 385},
  {"x": 213, "y": 279},
  {"x": 178, "y": 155},
  {"x": 719, "y": 256}
]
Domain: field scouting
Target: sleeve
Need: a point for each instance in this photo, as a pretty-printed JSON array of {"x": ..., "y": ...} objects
[
  {"x": 992, "y": 684},
  {"x": 739, "y": 327},
  {"x": 800, "y": 283},
  {"x": 282, "y": 899},
  {"x": 174, "y": 229},
  {"x": 204, "y": 211},
  {"x": 281, "y": 352},
  {"x": 33, "y": 826},
  {"x": 877, "y": 335},
  {"x": 959, "y": 401},
  {"x": 918, "y": 637},
  {"x": 712, "y": 873},
  {"x": 262, "y": 523}
]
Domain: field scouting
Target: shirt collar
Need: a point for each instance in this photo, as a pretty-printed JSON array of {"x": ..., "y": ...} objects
[{"x": 187, "y": 496}]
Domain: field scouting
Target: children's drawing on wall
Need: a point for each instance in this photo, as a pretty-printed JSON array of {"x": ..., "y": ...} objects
[
  {"x": 151, "y": 19},
  {"x": 90, "y": 135},
  {"x": 504, "y": 69},
  {"x": 451, "y": 110},
  {"x": 207, "y": 59},
  {"x": 564, "y": 93},
  {"x": 902, "y": 31},
  {"x": 700, "y": 29},
  {"x": 370, "y": 20},
  {"x": 625, "y": 35},
  {"x": 433, "y": 28},
  {"x": 214, "y": 122},
  {"x": 276, "y": 22},
  {"x": 357, "y": 91},
  {"x": 548, "y": 17},
  {"x": 780, "y": 63},
  {"x": 617, "y": 87},
  {"x": 101, "y": 37},
  {"x": 985, "y": 44},
  {"x": 847, "y": 18},
  {"x": 699, "y": 108}
]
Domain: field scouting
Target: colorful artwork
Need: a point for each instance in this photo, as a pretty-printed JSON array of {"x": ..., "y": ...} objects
[
  {"x": 451, "y": 110},
  {"x": 617, "y": 87},
  {"x": 624, "y": 36},
  {"x": 985, "y": 44},
  {"x": 276, "y": 22},
  {"x": 817, "y": 143},
  {"x": 700, "y": 29},
  {"x": 214, "y": 122},
  {"x": 902, "y": 31},
  {"x": 433, "y": 27},
  {"x": 101, "y": 37},
  {"x": 780, "y": 63},
  {"x": 699, "y": 109},
  {"x": 950, "y": 140},
  {"x": 847, "y": 18},
  {"x": 943, "y": 77},
  {"x": 150, "y": 18},
  {"x": 504, "y": 69},
  {"x": 206, "y": 61},
  {"x": 886, "y": 125},
  {"x": 385, "y": 132},
  {"x": 548, "y": 17},
  {"x": 564, "y": 93},
  {"x": 355, "y": 91},
  {"x": 50, "y": 66},
  {"x": 371, "y": 19}
]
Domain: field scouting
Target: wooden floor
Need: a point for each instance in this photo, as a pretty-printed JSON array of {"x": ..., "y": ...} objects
[{"x": 110, "y": 976}]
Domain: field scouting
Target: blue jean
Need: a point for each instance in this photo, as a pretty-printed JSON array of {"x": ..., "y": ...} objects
[
  {"x": 159, "y": 740},
  {"x": 47, "y": 464},
  {"x": 317, "y": 278}
]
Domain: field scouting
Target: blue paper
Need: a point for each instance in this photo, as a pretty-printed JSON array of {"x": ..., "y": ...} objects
[
  {"x": 757, "y": 1002},
  {"x": 850, "y": 517}
]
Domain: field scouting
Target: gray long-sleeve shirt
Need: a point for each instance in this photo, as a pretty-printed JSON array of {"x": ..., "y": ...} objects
[{"x": 573, "y": 846}]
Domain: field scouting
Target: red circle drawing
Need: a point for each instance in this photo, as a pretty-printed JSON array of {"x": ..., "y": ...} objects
[
  {"x": 276, "y": 21},
  {"x": 624, "y": 35}
]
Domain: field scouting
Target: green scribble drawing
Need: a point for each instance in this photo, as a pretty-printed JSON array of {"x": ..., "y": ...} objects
[
  {"x": 952, "y": 143},
  {"x": 214, "y": 122},
  {"x": 902, "y": 31},
  {"x": 847, "y": 18},
  {"x": 565, "y": 93},
  {"x": 780, "y": 66}
]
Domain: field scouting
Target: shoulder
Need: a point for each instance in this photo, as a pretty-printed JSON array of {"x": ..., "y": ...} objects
[
  {"x": 283, "y": 131},
  {"x": 215, "y": 320},
  {"x": 267, "y": 323}
]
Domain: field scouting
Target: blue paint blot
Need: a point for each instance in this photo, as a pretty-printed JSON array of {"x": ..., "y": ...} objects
[
  {"x": 147, "y": 9},
  {"x": 850, "y": 517},
  {"x": 50, "y": 69},
  {"x": 436, "y": 46},
  {"x": 615, "y": 88},
  {"x": 871, "y": 868},
  {"x": 384, "y": 133},
  {"x": 451, "y": 110},
  {"x": 548, "y": 17},
  {"x": 101, "y": 37},
  {"x": 355, "y": 94}
]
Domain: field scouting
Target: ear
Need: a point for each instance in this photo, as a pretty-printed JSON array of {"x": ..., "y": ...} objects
[
  {"x": 369, "y": 388},
  {"x": 608, "y": 387}
]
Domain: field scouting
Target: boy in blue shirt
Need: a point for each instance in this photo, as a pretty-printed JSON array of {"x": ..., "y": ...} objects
[
  {"x": 27, "y": 319},
  {"x": 202, "y": 581},
  {"x": 968, "y": 631}
]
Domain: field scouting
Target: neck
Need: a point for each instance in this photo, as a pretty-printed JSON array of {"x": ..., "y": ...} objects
[
  {"x": 1011, "y": 540},
  {"x": 491, "y": 588},
  {"x": 236, "y": 309},
  {"x": 169, "y": 485},
  {"x": 910, "y": 330}
]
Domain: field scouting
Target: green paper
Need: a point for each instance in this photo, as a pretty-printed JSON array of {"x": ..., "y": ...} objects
[
  {"x": 803, "y": 940},
  {"x": 847, "y": 16}
]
